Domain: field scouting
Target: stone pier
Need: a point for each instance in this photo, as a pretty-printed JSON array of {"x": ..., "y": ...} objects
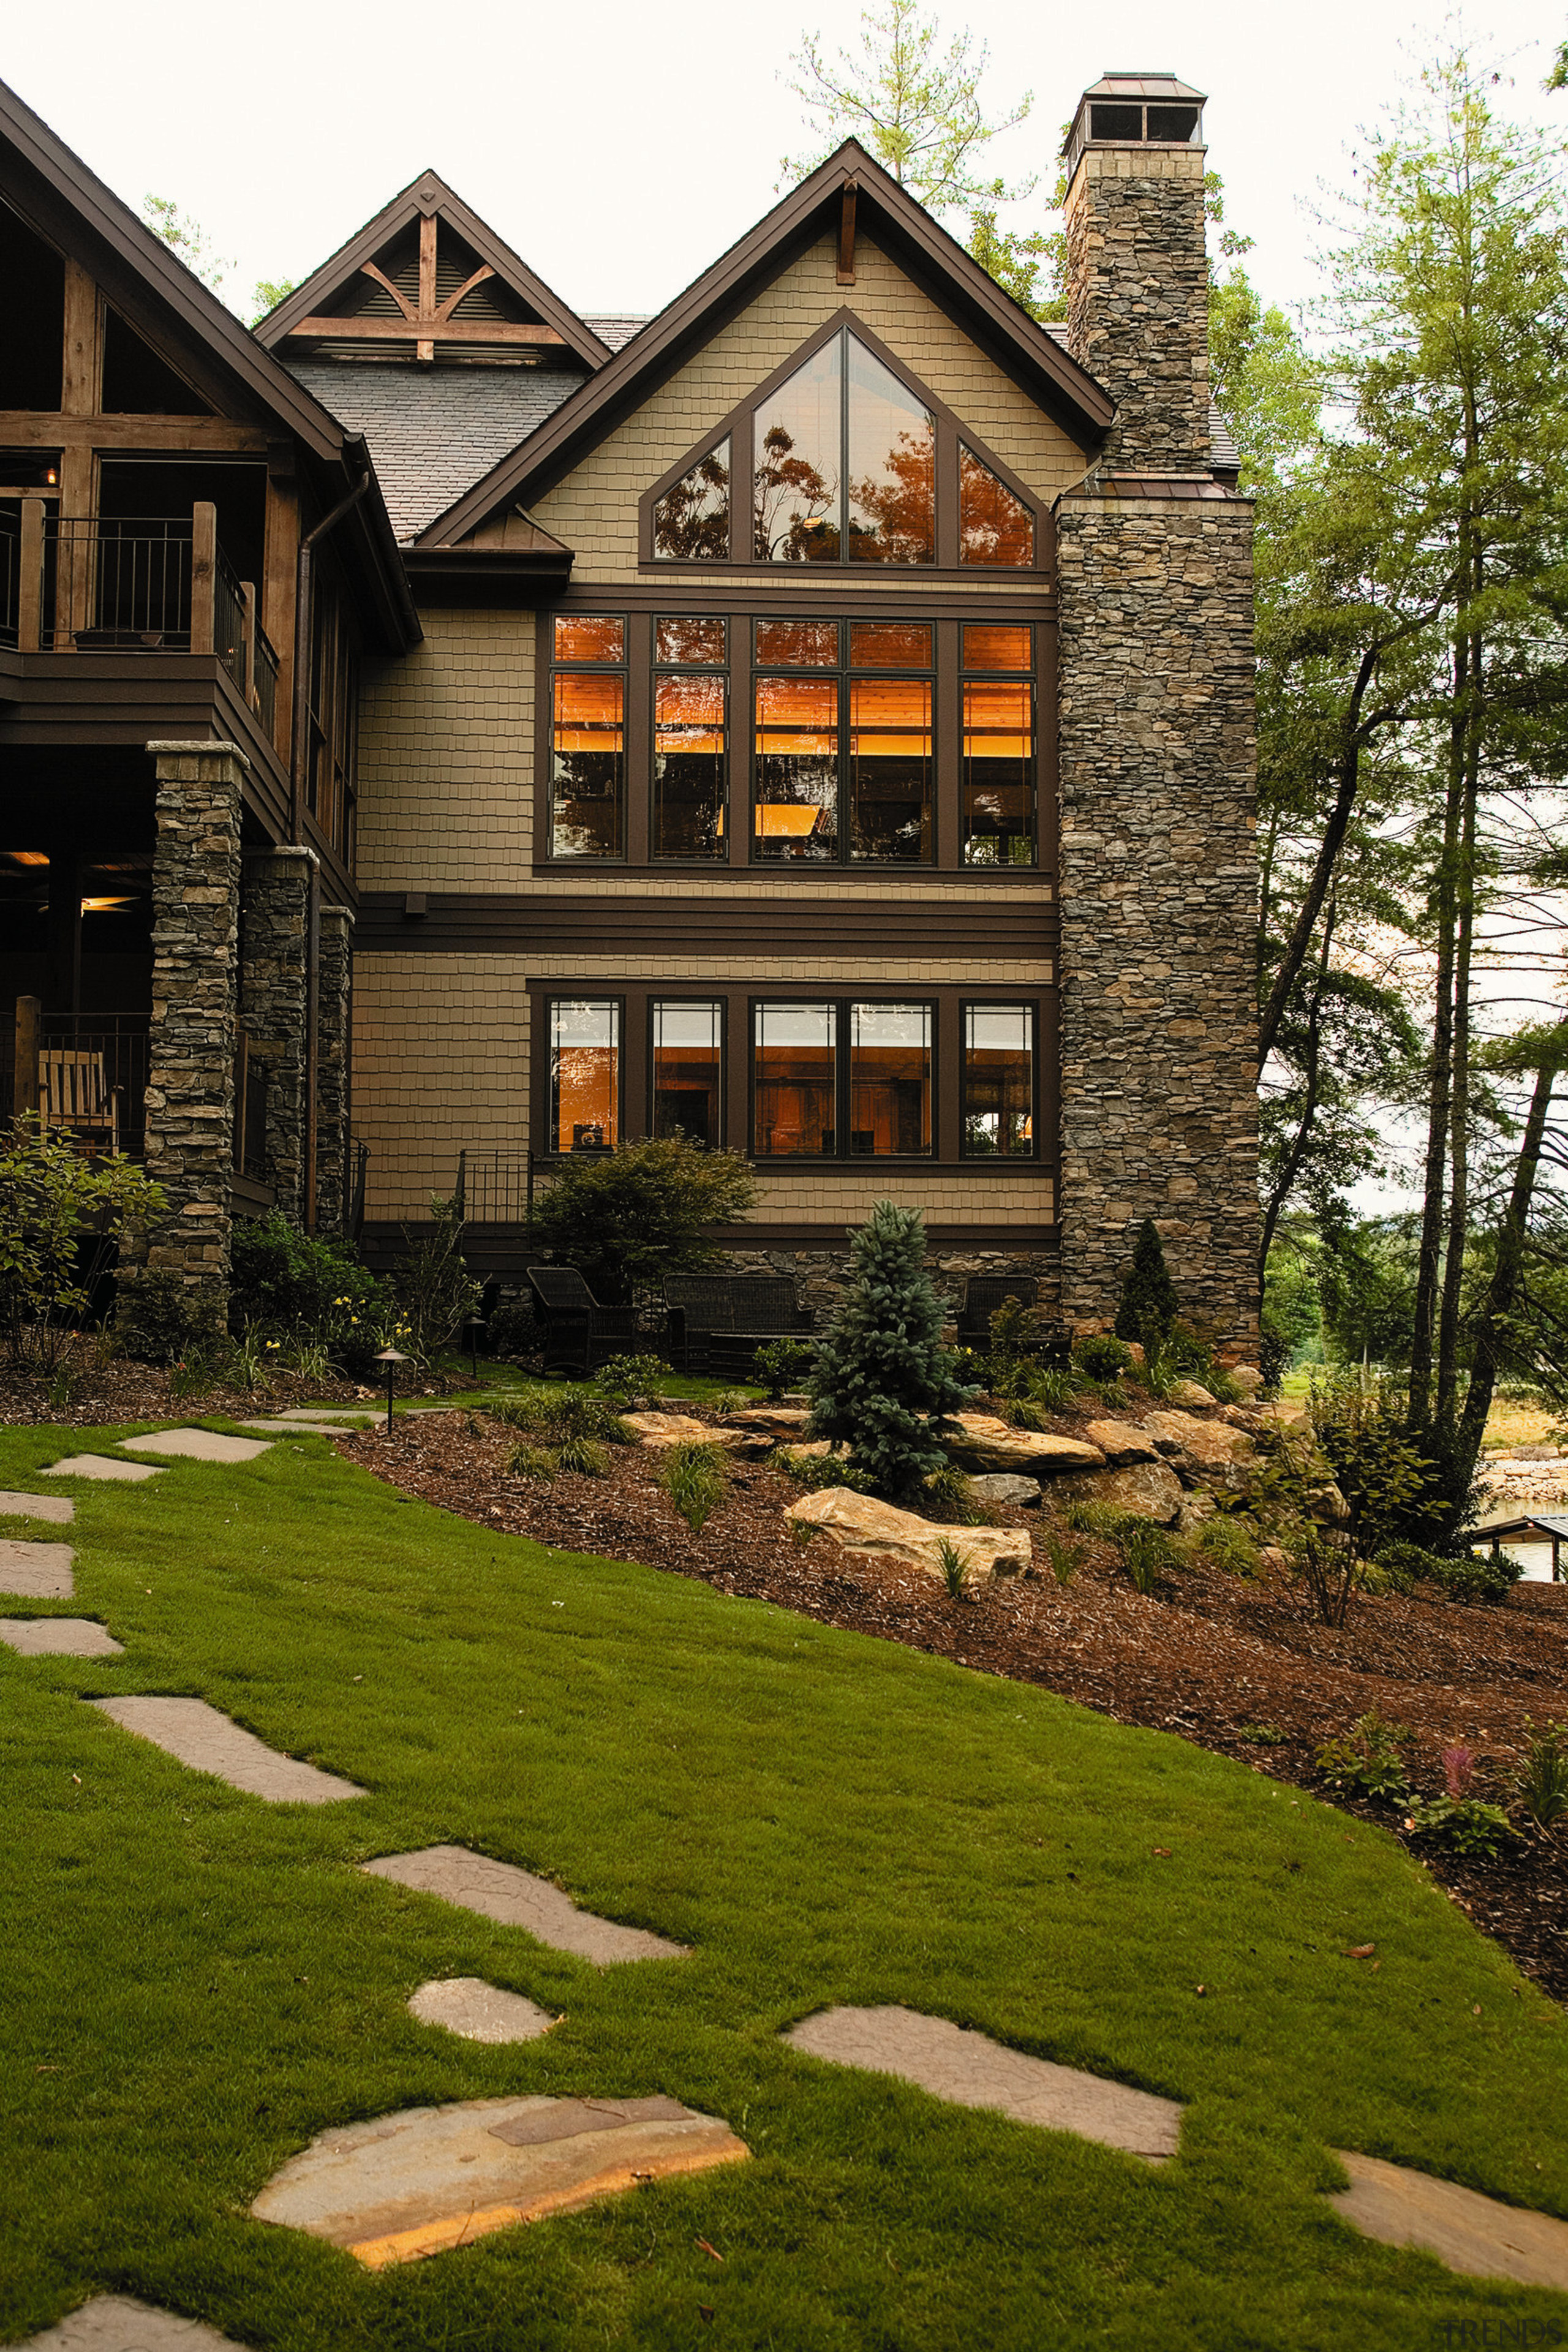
[
  {"x": 274, "y": 967},
  {"x": 333, "y": 970}
]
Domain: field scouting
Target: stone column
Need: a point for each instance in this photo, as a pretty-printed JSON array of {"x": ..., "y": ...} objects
[
  {"x": 191, "y": 1049},
  {"x": 1159, "y": 898},
  {"x": 274, "y": 978},
  {"x": 333, "y": 971}
]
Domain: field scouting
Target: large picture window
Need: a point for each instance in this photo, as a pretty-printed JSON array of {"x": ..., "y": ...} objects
[
  {"x": 998, "y": 1084},
  {"x": 843, "y": 738},
  {"x": 584, "y": 1073},
  {"x": 588, "y": 739},
  {"x": 841, "y": 1080}
]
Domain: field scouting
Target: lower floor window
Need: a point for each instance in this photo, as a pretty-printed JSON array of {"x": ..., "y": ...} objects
[
  {"x": 999, "y": 1080},
  {"x": 585, "y": 1074},
  {"x": 837, "y": 1079},
  {"x": 687, "y": 1045}
]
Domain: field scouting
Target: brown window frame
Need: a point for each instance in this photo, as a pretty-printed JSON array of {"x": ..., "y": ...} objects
[
  {"x": 589, "y": 993},
  {"x": 950, "y": 431},
  {"x": 843, "y": 1002},
  {"x": 1003, "y": 1003},
  {"x": 577, "y": 669},
  {"x": 692, "y": 995}
]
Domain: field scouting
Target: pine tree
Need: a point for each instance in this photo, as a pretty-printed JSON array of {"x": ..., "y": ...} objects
[
  {"x": 883, "y": 1381},
  {"x": 1148, "y": 1305}
]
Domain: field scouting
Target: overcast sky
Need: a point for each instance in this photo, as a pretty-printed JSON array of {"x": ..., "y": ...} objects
[{"x": 620, "y": 146}]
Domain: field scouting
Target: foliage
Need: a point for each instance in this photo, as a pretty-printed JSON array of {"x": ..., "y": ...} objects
[
  {"x": 882, "y": 1381},
  {"x": 1369, "y": 1759},
  {"x": 514, "y": 1330},
  {"x": 559, "y": 1414},
  {"x": 533, "y": 1461},
  {"x": 266, "y": 296},
  {"x": 1461, "y": 1825},
  {"x": 431, "y": 1284},
  {"x": 583, "y": 1454},
  {"x": 954, "y": 1562},
  {"x": 1325, "y": 1564},
  {"x": 1103, "y": 1357},
  {"x": 622, "y": 1378},
  {"x": 947, "y": 1495},
  {"x": 1260, "y": 1734},
  {"x": 1390, "y": 1482},
  {"x": 818, "y": 1470},
  {"x": 628, "y": 1217},
  {"x": 1227, "y": 1545},
  {"x": 290, "y": 1286},
  {"x": 1488, "y": 1577},
  {"x": 781, "y": 1366},
  {"x": 51, "y": 1195},
  {"x": 1064, "y": 1559},
  {"x": 159, "y": 1318},
  {"x": 1148, "y": 1306},
  {"x": 1541, "y": 1783},
  {"x": 693, "y": 1478},
  {"x": 1149, "y": 1554},
  {"x": 188, "y": 241}
]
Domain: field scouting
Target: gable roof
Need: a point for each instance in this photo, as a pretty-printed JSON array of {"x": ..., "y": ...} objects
[
  {"x": 904, "y": 230},
  {"x": 354, "y": 292}
]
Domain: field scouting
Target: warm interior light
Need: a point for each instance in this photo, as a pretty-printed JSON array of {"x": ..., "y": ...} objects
[
  {"x": 104, "y": 906},
  {"x": 51, "y": 477},
  {"x": 26, "y": 857}
]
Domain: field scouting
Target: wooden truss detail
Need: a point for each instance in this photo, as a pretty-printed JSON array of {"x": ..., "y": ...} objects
[{"x": 426, "y": 323}]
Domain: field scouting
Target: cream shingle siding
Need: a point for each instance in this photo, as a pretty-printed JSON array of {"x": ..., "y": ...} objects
[
  {"x": 594, "y": 510},
  {"x": 445, "y": 758}
]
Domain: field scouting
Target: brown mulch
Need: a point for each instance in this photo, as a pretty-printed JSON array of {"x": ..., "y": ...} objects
[
  {"x": 1217, "y": 1660},
  {"x": 97, "y": 1392}
]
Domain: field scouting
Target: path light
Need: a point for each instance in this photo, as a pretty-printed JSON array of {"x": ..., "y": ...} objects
[
  {"x": 391, "y": 1359},
  {"x": 472, "y": 1329}
]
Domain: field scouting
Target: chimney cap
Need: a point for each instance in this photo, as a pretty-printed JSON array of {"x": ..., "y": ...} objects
[{"x": 1135, "y": 109}]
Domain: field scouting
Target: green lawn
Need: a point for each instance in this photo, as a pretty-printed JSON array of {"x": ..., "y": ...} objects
[{"x": 193, "y": 1982}]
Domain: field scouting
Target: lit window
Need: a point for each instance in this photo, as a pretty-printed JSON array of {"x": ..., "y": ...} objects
[
  {"x": 890, "y": 767},
  {"x": 999, "y": 1110},
  {"x": 796, "y": 500},
  {"x": 589, "y": 637},
  {"x": 993, "y": 526},
  {"x": 691, "y": 521},
  {"x": 584, "y": 1073},
  {"x": 844, "y": 464},
  {"x": 889, "y": 1080},
  {"x": 588, "y": 769},
  {"x": 798, "y": 768},
  {"x": 688, "y": 1070},
  {"x": 794, "y": 1082},
  {"x": 689, "y": 765},
  {"x": 691, "y": 640},
  {"x": 861, "y": 743},
  {"x": 998, "y": 786},
  {"x": 892, "y": 466}
]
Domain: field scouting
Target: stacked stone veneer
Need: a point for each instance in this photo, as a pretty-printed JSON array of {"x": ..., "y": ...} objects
[
  {"x": 1138, "y": 300},
  {"x": 275, "y": 934},
  {"x": 333, "y": 976},
  {"x": 190, "y": 1071}
]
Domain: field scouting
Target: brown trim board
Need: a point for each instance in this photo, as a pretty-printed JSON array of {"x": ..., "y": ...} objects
[{"x": 726, "y": 924}]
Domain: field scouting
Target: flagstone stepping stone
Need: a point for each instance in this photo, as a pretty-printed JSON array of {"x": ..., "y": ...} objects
[
  {"x": 500, "y": 1890},
  {"x": 1476, "y": 2234},
  {"x": 197, "y": 1445},
  {"x": 59, "y": 1637},
  {"x": 99, "y": 1465},
  {"x": 478, "y": 2011},
  {"x": 972, "y": 2070},
  {"x": 58, "y": 1507},
  {"x": 325, "y": 1413},
  {"x": 36, "y": 1572},
  {"x": 208, "y": 1742},
  {"x": 117, "y": 2323},
  {"x": 403, "y": 2186},
  {"x": 294, "y": 1429}
]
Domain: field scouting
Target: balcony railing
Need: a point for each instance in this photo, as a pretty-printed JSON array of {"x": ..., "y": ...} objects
[
  {"x": 495, "y": 1187},
  {"x": 84, "y": 1073},
  {"x": 95, "y": 584}
]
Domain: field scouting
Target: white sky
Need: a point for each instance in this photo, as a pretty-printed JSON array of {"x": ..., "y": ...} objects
[{"x": 621, "y": 147}]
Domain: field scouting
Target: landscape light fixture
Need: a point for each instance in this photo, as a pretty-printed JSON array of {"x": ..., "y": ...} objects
[
  {"x": 391, "y": 1359},
  {"x": 472, "y": 1328}
]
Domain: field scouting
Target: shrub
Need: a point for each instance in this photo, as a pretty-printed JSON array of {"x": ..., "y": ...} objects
[
  {"x": 159, "y": 1320},
  {"x": 1462, "y": 1825},
  {"x": 1393, "y": 1485},
  {"x": 954, "y": 1565},
  {"x": 432, "y": 1285},
  {"x": 1148, "y": 1306},
  {"x": 556, "y": 1414},
  {"x": 1148, "y": 1554},
  {"x": 1489, "y": 1579},
  {"x": 51, "y": 1195},
  {"x": 1327, "y": 1564},
  {"x": 817, "y": 1470},
  {"x": 583, "y": 1454},
  {"x": 632, "y": 1215},
  {"x": 1260, "y": 1734},
  {"x": 1541, "y": 1783},
  {"x": 1228, "y": 1546},
  {"x": 625, "y": 1377},
  {"x": 1102, "y": 1357},
  {"x": 882, "y": 1380},
  {"x": 532, "y": 1462},
  {"x": 781, "y": 1366},
  {"x": 1368, "y": 1760},
  {"x": 514, "y": 1330},
  {"x": 293, "y": 1286},
  {"x": 693, "y": 1478}
]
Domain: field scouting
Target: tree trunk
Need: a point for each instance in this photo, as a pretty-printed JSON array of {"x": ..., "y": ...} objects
[
  {"x": 1293, "y": 1158},
  {"x": 1439, "y": 1107},
  {"x": 1460, "y": 1115},
  {"x": 1502, "y": 1291}
]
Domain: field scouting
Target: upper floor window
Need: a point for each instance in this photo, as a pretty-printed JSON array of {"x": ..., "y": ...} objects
[
  {"x": 842, "y": 459},
  {"x": 588, "y": 738}
]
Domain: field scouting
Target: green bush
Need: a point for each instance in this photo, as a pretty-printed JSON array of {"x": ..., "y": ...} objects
[
  {"x": 533, "y": 1461},
  {"x": 630, "y": 1217},
  {"x": 781, "y": 1366},
  {"x": 1149, "y": 1555},
  {"x": 583, "y": 1454},
  {"x": 51, "y": 1195},
  {"x": 954, "y": 1562},
  {"x": 1368, "y": 1760},
  {"x": 625, "y": 1377},
  {"x": 159, "y": 1320},
  {"x": 295, "y": 1288},
  {"x": 882, "y": 1381},
  {"x": 817, "y": 1470},
  {"x": 514, "y": 1330},
  {"x": 1397, "y": 1483},
  {"x": 1462, "y": 1825},
  {"x": 693, "y": 1477},
  {"x": 435, "y": 1292},
  {"x": 1541, "y": 1784},
  {"x": 1228, "y": 1546},
  {"x": 1103, "y": 1357},
  {"x": 1148, "y": 1306}
]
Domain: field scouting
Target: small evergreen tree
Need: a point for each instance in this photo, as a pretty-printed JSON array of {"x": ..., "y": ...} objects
[
  {"x": 1148, "y": 1306},
  {"x": 883, "y": 1382}
]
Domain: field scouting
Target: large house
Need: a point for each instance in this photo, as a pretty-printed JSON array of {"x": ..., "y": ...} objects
[{"x": 441, "y": 734}]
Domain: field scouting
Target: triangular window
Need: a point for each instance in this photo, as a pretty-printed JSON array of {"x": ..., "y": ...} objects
[
  {"x": 691, "y": 521},
  {"x": 138, "y": 382},
  {"x": 993, "y": 526}
]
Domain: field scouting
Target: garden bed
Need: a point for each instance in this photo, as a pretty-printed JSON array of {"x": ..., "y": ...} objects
[
  {"x": 1237, "y": 1666},
  {"x": 97, "y": 1391}
]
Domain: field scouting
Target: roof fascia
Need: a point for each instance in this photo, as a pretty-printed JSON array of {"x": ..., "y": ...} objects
[
  {"x": 131, "y": 249},
  {"x": 996, "y": 321},
  {"x": 406, "y": 207}
]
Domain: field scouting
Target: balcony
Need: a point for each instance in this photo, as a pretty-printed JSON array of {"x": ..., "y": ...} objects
[{"x": 136, "y": 586}]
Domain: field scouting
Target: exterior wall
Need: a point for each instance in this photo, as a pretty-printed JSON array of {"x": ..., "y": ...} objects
[
  {"x": 1159, "y": 901},
  {"x": 594, "y": 510},
  {"x": 1138, "y": 310},
  {"x": 445, "y": 758}
]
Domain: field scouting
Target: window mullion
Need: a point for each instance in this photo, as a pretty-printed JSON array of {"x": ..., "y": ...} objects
[{"x": 844, "y": 1106}]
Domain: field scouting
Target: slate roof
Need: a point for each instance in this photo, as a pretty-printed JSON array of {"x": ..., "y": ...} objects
[
  {"x": 432, "y": 431},
  {"x": 617, "y": 328}
]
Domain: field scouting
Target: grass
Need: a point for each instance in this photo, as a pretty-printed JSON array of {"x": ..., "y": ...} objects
[{"x": 194, "y": 1982}]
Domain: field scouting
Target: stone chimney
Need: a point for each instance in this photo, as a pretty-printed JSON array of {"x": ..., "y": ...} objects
[{"x": 1137, "y": 273}]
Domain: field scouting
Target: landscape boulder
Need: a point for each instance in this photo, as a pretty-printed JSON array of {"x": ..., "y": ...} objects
[
  {"x": 1247, "y": 1379},
  {"x": 680, "y": 1429},
  {"x": 784, "y": 1421},
  {"x": 981, "y": 1442},
  {"x": 1203, "y": 1444},
  {"x": 891, "y": 1537},
  {"x": 1121, "y": 1441},
  {"x": 1150, "y": 1489},
  {"x": 1005, "y": 1487},
  {"x": 1193, "y": 1397}
]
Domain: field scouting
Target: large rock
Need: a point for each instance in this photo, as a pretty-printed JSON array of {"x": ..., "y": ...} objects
[
  {"x": 861, "y": 1524},
  {"x": 1247, "y": 1379},
  {"x": 1150, "y": 1489},
  {"x": 1193, "y": 1397},
  {"x": 1121, "y": 1441},
  {"x": 1005, "y": 1486},
  {"x": 1206, "y": 1444},
  {"x": 785, "y": 1420},
  {"x": 680, "y": 1429},
  {"x": 983, "y": 1443}
]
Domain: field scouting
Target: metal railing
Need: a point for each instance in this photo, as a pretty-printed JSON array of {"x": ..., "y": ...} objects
[
  {"x": 495, "y": 1187},
  {"x": 264, "y": 684},
  {"x": 10, "y": 580},
  {"x": 231, "y": 621},
  {"x": 355, "y": 1172},
  {"x": 87, "y": 1076},
  {"x": 116, "y": 586}
]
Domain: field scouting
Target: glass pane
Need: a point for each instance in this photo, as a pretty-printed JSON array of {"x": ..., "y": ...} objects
[
  {"x": 797, "y": 644},
  {"x": 587, "y": 785},
  {"x": 691, "y": 521},
  {"x": 889, "y": 1079},
  {"x": 995, "y": 647},
  {"x": 690, "y": 640},
  {"x": 890, "y": 767},
  {"x": 892, "y": 466},
  {"x": 794, "y": 1080},
  {"x": 796, "y": 510},
  {"x": 585, "y": 1074},
  {"x": 688, "y": 748},
  {"x": 688, "y": 1071},
  {"x": 999, "y": 1080},
  {"x": 583, "y": 637},
  {"x": 993, "y": 526},
  {"x": 998, "y": 774},
  {"x": 798, "y": 768},
  {"x": 890, "y": 644}
]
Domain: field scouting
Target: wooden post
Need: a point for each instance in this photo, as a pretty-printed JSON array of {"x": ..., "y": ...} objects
[
  {"x": 203, "y": 573},
  {"x": 278, "y": 592},
  {"x": 248, "y": 670},
  {"x": 24, "y": 1083},
  {"x": 79, "y": 396},
  {"x": 30, "y": 578}
]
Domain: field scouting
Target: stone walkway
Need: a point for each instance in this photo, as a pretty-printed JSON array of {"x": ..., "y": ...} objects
[
  {"x": 117, "y": 2323},
  {"x": 100, "y": 1466},
  {"x": 478, "y": 2011},
  {"x": 500, "y": 1890},
  {"x": 58, "y": 1507},
  {"x": 36, "y": 1572},
  {"x": 61, "y": 1637},
  {"x": 1471, "y": 2233},
  {"x": 208, "y": 1741}
]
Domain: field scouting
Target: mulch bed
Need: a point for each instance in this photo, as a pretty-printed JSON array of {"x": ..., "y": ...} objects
[
  {"x": 1217, "y": 1660},
  {"x": 97, "y": 1392}
]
